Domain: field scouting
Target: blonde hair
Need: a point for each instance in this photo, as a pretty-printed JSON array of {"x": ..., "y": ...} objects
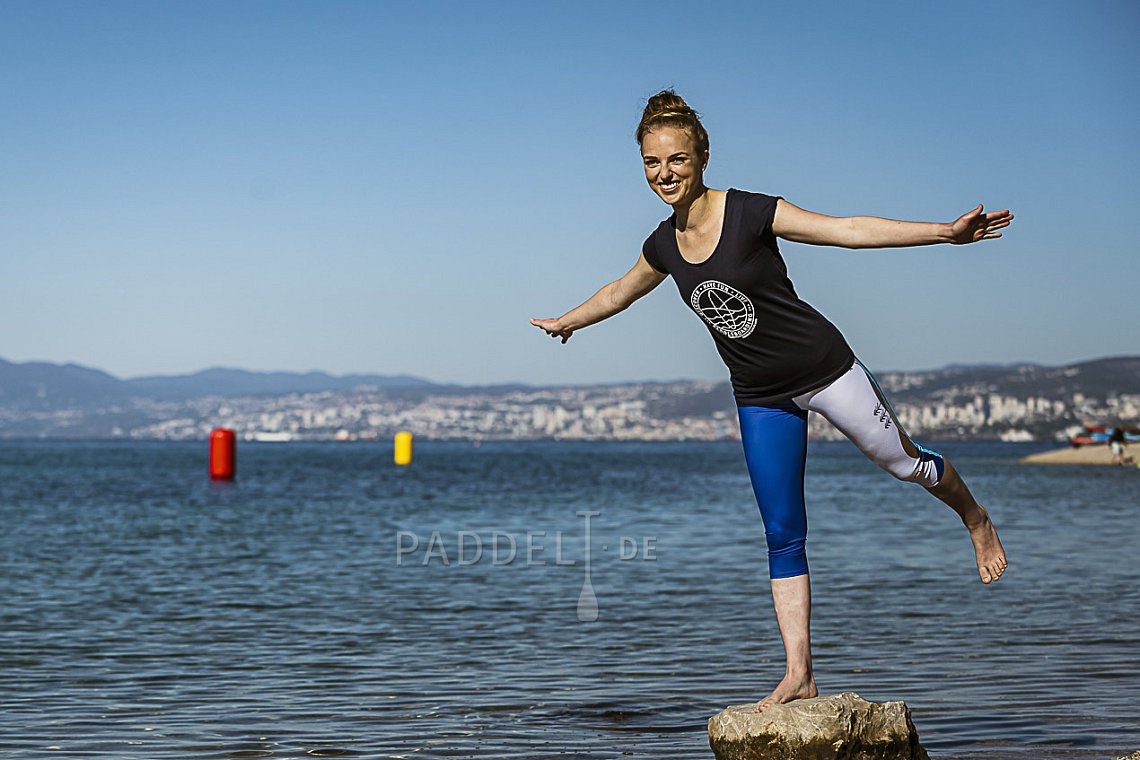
[{"x": 668, "y": 109}]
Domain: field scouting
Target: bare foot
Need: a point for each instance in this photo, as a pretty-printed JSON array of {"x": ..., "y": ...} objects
[
  {"x": 987, "y": 547},
  {"x": 787, "y": 690}
]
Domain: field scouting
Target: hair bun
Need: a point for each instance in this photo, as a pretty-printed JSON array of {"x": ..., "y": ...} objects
[
  {"x": 666, "y": 102},
  {"x": 668, "y": 109}
]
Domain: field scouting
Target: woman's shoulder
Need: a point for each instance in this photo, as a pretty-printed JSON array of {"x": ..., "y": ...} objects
[
  {"x": 666, "y": 225},
  {"x": 661, "y": 233},
  {"x": 756, "y": 210}
]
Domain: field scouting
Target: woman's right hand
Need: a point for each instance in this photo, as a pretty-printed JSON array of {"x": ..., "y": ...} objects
[{"x": 554, "y": 328}]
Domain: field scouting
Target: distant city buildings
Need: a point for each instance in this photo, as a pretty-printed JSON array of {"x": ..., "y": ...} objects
[{"x": 615, "y": 412}]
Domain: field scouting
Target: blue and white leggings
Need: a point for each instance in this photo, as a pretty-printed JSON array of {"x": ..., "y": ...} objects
[{"x": 775, "y": 447}]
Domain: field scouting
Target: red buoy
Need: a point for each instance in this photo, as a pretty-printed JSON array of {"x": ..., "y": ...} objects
[{"x": 223, "y": 454}]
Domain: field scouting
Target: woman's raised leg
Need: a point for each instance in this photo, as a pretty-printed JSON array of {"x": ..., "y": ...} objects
[{"x": 858, "y": 408}]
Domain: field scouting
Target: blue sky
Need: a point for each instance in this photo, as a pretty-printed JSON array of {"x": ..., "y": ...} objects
[{"x": 398, "y": 187}]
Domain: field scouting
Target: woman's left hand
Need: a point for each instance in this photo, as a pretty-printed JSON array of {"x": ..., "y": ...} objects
[
  {"x": 554, "y": 328},
  {"x": 973, "y": 226}
]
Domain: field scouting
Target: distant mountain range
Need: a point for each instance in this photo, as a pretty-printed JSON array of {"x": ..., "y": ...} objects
[
  {"x": 46, "y": 385},
  {"x": 1097, "y": 378},
  {"x": 52, "y": 386}
]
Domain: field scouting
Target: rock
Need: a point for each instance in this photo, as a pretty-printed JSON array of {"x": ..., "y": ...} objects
[{"x": 840, "y": 727}]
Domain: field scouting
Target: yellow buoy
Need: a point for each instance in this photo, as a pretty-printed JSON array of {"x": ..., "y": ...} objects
[{"x": 403, "y": 447}]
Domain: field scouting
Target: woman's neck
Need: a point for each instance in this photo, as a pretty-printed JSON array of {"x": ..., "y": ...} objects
[{"x": 695, "y": 213}]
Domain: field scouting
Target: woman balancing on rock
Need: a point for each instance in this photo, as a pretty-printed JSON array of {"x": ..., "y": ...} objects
[{"x": 785, "y": 359}]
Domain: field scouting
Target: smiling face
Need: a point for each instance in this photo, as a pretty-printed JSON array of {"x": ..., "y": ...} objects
[{"x": 673, "y": 167}]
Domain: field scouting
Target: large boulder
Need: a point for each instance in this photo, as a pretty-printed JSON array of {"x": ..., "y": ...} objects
[{"x": 840, "y": 727}]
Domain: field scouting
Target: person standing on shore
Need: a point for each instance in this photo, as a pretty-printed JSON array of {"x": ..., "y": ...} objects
[
  {"x": 1118, "y": 442},
  {"x": 783, "y": 356}
]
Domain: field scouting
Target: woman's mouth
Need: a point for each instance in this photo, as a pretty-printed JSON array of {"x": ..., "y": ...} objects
[{"x": 670, "y": 187}]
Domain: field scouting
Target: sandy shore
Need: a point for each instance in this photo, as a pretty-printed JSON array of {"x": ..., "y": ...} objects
[{"x": 1094, "y": 454}]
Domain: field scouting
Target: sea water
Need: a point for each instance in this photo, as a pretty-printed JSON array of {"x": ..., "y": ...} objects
[{"x": 329, "y": 603}]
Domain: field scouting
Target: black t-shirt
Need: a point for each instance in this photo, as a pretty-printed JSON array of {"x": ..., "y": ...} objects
[{"x": 776, "y": 346}]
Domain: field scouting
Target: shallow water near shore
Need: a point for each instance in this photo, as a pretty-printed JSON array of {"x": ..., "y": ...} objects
[{"x": 329, "y": 604}]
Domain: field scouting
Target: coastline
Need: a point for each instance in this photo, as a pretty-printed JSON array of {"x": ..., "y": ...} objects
[{"x": 1096, "y": 454}]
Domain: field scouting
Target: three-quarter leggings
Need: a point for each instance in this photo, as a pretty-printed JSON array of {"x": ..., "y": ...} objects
[{"x": 775, "y": 447}]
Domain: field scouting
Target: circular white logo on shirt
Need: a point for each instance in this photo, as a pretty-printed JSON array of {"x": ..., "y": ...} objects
[{"x": 725, "y": 308}]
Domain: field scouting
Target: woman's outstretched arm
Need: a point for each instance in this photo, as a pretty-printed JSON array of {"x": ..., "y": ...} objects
[
  {"x": 794, "y": 223},
  {"x": 609, "y": 300}
]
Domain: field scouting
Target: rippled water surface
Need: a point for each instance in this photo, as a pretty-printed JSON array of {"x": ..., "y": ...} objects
[{"x": 330, "y": 604}]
